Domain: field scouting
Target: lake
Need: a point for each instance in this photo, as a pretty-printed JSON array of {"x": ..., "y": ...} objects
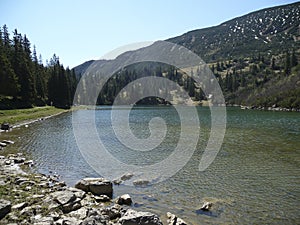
[{"x": 255, "y": 178}]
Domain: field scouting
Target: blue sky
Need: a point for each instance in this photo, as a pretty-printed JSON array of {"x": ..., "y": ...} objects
[{"x": 81, "y": 30}]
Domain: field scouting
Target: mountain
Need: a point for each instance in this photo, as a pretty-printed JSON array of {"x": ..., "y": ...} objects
[
  {"x": 271, "y": 31},
  {"x": 79, "y": 70},
  {"x": 255, "y": 59}
]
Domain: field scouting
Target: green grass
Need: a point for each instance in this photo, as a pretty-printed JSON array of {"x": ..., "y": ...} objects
[{"x": 15, "y": 116}]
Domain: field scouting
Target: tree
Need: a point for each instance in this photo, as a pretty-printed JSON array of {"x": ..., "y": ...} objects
[
  {"x": 287, "y": 65},
  {"x": 294, "y": 60}
]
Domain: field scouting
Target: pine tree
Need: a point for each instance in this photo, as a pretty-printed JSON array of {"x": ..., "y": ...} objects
[
  {"x": 287, "y": 65},
  {"x": 294, "y": 61}
]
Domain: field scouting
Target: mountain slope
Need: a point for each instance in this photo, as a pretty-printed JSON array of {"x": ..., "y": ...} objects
[
  {"x": 269, "y": 30},
  {"x": 255, "y": 59}
]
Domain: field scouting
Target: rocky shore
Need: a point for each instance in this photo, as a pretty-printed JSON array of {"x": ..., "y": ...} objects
[{"x": 38, "y": 199}]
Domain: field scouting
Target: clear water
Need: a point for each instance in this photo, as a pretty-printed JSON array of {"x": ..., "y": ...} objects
[{"x": 255, "y": 178}]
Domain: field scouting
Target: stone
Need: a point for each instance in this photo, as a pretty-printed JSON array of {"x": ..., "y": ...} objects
[
  {"x": 63, "y": 197},
  {"x": 174, "y": 220},
  {"x": 72, "y": 206},
  {"x": 79, "y": 214},
  {"x": 141, "y": 182},
  {"x": 112, "y": 212},
  {"x": 5, "y": 208},
  {"x": 97, "y": 186},
  {"x": 102, "y": 198},
  {"x": 19, "y": 206},
  {"x": 126, "y": 176},
  {"x": 124, "y": 200},
  {"x": 2, "y": 144},
  {"x": 5, "y": 126},
  {"x": 9, "y": 142},
  {"x": 132, "y": 217},
  {"x": 206, "y": 206}
]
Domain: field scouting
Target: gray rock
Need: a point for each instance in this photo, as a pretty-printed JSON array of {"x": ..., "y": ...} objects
[
  {"x": 63, "y": 197},
  {"x": 19, "y": 206},
  {"x": 127, "y": 176},
  {"x": 174, "y": 220},
  {"x": 97, "y": 186},
  {"x": 124, "y": 200},
  {"x": 79, "y": 214},
  {"x": 102, "y": 198},
  {"x": 5, "y": 208},
  {"x": 112, "y": 212},
  {"x": 141, "y": 182},
  {"x": 132, "y": 217}
]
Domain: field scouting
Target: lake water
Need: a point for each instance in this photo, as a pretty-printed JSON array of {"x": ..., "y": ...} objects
[{"x": 255, "y": 178}]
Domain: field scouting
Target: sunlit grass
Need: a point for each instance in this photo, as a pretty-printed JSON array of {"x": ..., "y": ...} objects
[{"x": 15, "y": 116}]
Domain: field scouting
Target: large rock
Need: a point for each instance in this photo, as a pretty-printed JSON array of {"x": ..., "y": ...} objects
[
  {"x": 5, "y": 208},
  {"x": 132, "y": 217},
  {"x": 97, "y": 186},
  {"x": 124, "y": 200},
  {"x": 174, "y": 220}
]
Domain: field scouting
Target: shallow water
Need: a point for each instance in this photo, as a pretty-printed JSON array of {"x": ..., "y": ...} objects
[{"x": 255, "y": 178}]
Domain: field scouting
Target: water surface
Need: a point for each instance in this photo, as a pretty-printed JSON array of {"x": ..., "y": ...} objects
[{"x": 255, "y": 178}]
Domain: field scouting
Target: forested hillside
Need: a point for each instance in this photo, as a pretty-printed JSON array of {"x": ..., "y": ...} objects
[{"x": 25, "y": 81}]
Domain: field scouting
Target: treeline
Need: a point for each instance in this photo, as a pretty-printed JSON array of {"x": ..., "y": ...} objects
[
  {"x": 25, "y": 81},
  {"x": 122, "y": 78},
  {"x": 261, "y": 80}
]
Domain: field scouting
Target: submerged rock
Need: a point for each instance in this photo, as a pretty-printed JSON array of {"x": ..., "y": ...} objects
[
  {"x": 97, "y": 186},
  {"x": 206, "y": 206}
]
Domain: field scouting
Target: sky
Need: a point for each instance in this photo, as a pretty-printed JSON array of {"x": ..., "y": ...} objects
[{"x": 80, "y": 30}]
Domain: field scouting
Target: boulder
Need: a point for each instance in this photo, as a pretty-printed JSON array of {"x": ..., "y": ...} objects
[
  {"x": 97, "y": 186},
  {"x": 5, "y": 208},
  {"x": 63, "y": 197},
  {"x": 132, "y": 217},
  {"x": 124, "y": 200},
  {"x": 174, "y": 220}
]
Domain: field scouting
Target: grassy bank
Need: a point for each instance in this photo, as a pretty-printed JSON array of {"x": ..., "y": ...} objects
[{"x": 15, "y": 116}]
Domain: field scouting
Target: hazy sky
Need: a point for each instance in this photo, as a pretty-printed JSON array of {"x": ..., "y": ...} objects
[{"x": 81, "y": 30}]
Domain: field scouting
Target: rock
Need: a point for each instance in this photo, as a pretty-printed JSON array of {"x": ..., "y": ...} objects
[
  {"x": 20, "y": 206},
  {"x": 206, "y": 206},
  {"x": 102, "y": 198},
  {"x": 117, "y": 182},
  {"x": 97, "y": 186},
  {"x": 5, "y": 126},
  {"x": 112, "y": 212},
  {"x": 5, "y": 208},
  {"x": 126, "y": 176},
  {"x": 9, "y": 142},
  {"x": 18, "y": 160},
  {"x": 174, "y": 220},
  {"x": 79, "y": 214},
  {"x": 141, "y": 182},
  {"x": 39, "y": 220},
  {"x": 124, "y": 200},
  {"x": 2, "y": 144},
  {"x": 63, "y": 197},
  {"x": 132, "y": 217}
]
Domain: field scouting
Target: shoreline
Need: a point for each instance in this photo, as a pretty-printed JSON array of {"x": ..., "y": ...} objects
[
  {"x": 39, "y": 199},
  {"x": 14, "y": 120}
]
